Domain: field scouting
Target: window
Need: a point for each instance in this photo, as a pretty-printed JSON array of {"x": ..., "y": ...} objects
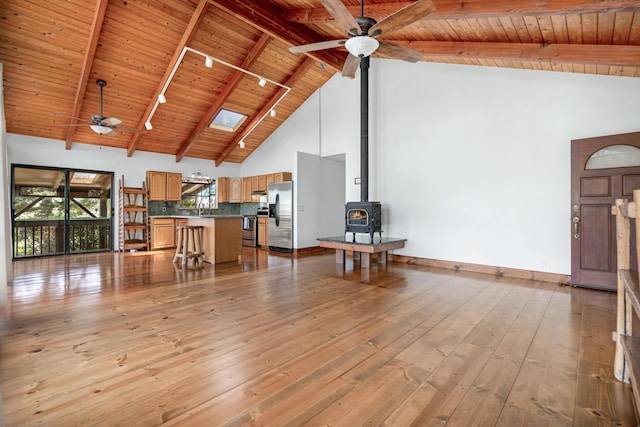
[
  {"x": 228, "y": 121},
  {"x": 614, "y": 156}
]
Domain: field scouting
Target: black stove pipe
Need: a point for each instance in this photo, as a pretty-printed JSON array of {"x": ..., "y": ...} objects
[{"x": 364, "y": 129}]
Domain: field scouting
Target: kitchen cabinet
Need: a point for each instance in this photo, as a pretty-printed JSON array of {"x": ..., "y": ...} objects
[
  {"x": 262, "y": 231},
  {"x": 246, "y": 189},
  {"x": 282, "y": 176},
  {"x": 262, "y": 183},
  {"x": 163, "y": 233},
  {"x": 164, "y": 186},
  {"x": 271, "y": 178},
  {"x": 222, "y": 189},
  {"x": 222, "y": 238},
  {"x": 235, "y": 190}
]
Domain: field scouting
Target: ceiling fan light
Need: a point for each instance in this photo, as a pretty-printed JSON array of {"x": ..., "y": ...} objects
[
  {"x": 208, "y": 62},
  {"x": 162, "y": 99},
  {"x": 148, "y": 125},
  {"x": 361, "y": 46},
  {"x": 102, "y": 130}
]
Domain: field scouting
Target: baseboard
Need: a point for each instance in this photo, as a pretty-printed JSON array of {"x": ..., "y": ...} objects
[{"x": 561, "y": 279}]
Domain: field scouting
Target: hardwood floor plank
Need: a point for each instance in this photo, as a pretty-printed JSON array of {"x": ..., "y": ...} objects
[{"x": 280, "y": 340}]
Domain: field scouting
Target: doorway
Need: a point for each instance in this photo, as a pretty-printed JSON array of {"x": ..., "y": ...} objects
[
  {"x": 57, "y": 211},
  {"x": 602, "y": 169}
]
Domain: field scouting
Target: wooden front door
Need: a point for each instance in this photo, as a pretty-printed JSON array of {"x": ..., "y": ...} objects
[{"x": 602, "y": 170}]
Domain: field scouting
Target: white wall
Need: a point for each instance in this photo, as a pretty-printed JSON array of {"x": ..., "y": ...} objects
[
  {"x": 471, "y": 164},
  {"x": 46, "y": 152},
  {"x": 319, "y": 199}
]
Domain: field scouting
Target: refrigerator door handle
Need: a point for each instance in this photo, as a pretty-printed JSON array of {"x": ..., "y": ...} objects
[{"x": 277, "y": 210}]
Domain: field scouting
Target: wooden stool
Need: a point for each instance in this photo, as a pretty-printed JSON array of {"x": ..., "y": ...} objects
[{"x": 189, "y": 245}]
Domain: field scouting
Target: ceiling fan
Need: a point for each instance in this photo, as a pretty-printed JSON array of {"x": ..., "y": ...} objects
[
  {"x": 362, "y": 32},
  {"x": 105, "y": 125}
]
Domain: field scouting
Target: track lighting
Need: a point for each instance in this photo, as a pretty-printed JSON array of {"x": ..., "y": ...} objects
[
  {"x": 272, "y": 113},
  {"x": 162, "y": 99},
  {"x": 208, "y": 62},
  {"x": 241, "y": 144},
  {"x": 361, "y": 46},
  {"x": 148, "y": 125},
  {"x": 262, "y": 81}
]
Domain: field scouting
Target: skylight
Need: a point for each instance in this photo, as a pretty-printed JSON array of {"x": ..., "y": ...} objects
[
  {"x": 228, "y": 121},
  {"x": 83, "y": 178}
]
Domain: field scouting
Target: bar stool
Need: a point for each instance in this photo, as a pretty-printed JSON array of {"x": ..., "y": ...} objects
[{"x": 189, "y": 245}]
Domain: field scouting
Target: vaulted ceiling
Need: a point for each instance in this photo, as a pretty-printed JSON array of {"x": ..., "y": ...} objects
[{"x": 54, "y": 51}]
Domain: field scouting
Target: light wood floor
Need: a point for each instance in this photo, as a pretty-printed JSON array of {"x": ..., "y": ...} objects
[{"x": 128, "y": 340}]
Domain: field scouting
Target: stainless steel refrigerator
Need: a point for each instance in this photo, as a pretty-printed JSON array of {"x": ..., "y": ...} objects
[{"x": 280, "y": 227}]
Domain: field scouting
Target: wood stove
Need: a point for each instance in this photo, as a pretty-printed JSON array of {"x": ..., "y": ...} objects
[{"x": 363, "y": 217}]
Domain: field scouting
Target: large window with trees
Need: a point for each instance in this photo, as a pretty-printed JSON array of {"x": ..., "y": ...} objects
[{"x": 59, "y": 211}]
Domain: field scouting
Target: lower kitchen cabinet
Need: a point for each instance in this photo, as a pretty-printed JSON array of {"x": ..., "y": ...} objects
[
  {"x": 262, "y": 231},
  {"x": 163, "y": 233}
]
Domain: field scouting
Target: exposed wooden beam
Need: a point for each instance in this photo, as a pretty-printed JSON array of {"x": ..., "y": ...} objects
[
  {"x": 291, "y": 82},
  {"x": 187, "y": 36},
  {"x": 233, "y": 82},
  {"x": 92, "y": 44},
  {"x": 617, "y": 55},
  {"x": 451, "y": 9},
  {"x": 261, "y": 15}
]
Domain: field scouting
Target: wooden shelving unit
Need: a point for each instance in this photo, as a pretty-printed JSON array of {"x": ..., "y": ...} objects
[
  {"x": 134, "y": 217},
  {"x": 627, "y": 359}
]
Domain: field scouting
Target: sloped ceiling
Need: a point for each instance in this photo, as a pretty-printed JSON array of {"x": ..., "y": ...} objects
[{"x": 53, "y": 52}]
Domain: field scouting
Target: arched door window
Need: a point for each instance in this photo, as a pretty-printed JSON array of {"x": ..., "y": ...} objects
[{"x": 614, "y": 156}]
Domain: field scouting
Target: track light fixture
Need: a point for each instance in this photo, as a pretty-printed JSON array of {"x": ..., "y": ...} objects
[
  {"x": 262, "y": 81},
  {"x": 162, "y": 99},
  {"x": 208, "y": 61},
  {"x": 241, "y": 144},
  {"x": 148, "y": 125},
  {"x": 272, "y": 113}
]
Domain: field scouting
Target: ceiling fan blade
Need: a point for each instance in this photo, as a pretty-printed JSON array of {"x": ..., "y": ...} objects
[
  {"x": 317, "y": 46},
  {"x": 405, "y": 16},
  {"x": 397, "y": 51},
  {"x": 112, "y": 133},
  {"x": 111, "y": 121},
  {"x": 342, "y": 15},
  {"x": 350, "y": 66},
  {"x": 128, "y": 129}
]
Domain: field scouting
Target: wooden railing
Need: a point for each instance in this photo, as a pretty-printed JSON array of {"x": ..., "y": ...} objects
[
  {"x": 627, "y": 357},
  {"x": 47, "y": 237}
]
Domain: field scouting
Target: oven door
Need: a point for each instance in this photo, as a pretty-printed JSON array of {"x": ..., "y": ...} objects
[{"x": 249, "y": 231}]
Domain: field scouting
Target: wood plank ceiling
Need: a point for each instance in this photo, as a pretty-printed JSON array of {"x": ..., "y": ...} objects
[{"x": 54, "y": 51}]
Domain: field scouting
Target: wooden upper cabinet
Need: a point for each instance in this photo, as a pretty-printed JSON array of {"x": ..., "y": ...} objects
[
  {"x": 282, "y": 176},
  {"x": 246, "y": 189},
  {"x": 255, "y": 183},
  {"x": 164, "y": 186},
  {"x": 235, "y": 190},
  {"x": 174, "y": 186},
  {"x": 271, "y": 178},
  {"x": 262, "y": 183},
  {"x": 222, "y": 189}
]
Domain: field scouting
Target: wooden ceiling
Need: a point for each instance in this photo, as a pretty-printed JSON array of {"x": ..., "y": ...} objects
[{"x": 54, "y": 51}]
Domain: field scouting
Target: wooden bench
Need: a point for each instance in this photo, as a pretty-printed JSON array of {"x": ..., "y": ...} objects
[{"x": 362, "y": 247}]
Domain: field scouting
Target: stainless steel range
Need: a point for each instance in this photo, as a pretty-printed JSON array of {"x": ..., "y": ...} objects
[{"x": 250, "y": 231}]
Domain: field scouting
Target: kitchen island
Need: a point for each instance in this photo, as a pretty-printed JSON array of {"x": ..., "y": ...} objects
[{"x": 222, "y": 237}]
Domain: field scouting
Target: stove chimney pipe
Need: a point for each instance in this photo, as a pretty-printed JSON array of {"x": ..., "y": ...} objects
[{"x": 364, "y": 129}]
